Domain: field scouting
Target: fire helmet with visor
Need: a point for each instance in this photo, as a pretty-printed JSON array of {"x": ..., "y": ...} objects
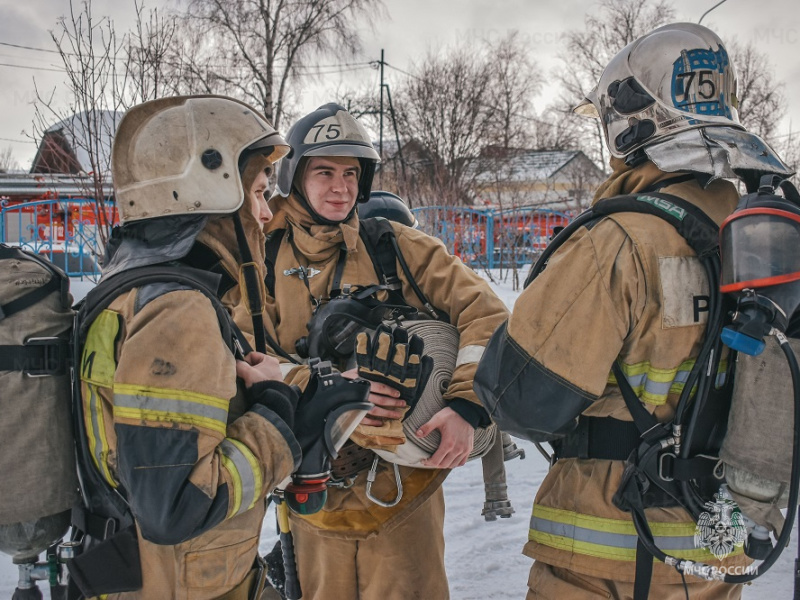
[
  {"x": 675, "y": 78},
  {"x": 672, "y": 94},
  {"x": 328, "y": 131},
  {"x": 182, "y": 155}
]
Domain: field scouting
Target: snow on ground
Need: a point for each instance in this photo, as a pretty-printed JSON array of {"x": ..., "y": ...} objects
[{"x": 484, "y": 559}]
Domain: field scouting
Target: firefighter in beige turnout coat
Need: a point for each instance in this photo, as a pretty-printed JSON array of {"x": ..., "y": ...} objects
[
  {"x": 167, "y": 428},
  {"x": 354, "y": 548},
  {"x": 628, "y": 288}
]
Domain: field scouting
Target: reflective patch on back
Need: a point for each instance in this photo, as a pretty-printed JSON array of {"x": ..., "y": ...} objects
[
  {"x": 684, "y": 291},
  {"x": 98, "y": 361}
]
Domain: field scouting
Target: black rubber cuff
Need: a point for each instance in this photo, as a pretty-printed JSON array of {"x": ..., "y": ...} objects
[{"x": 469, "y": 411}]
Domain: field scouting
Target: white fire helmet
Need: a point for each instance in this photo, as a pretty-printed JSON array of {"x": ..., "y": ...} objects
[
  {"x": 180, "y": 155},
  {"x": 675, "y": 78}
]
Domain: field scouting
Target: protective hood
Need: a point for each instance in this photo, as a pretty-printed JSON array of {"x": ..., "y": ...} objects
[
  {"x": 151, "y": 242},
  {"x": 721, "y": 152}
]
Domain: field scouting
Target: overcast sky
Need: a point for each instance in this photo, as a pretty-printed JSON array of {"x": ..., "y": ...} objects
[{"x": 411, "y": 28}]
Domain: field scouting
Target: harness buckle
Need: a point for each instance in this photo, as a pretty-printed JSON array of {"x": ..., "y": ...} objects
[
  {"x": 53, "y": 359},
  {"x": 663, "y": 466}
]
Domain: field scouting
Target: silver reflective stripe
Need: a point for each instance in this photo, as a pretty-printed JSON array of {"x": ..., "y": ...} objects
[
  {"x": 469, "y": 354},
  {"x": 186, "y": 407},
  {"x": 656, "y": 388},
  {"x": 246, "y": 475},
  {"x": 603, "y": 538},
  {"x": 98, "y": 441}
]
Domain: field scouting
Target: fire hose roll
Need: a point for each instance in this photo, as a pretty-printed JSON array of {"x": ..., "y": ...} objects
[{"x": 441, "y": 343}]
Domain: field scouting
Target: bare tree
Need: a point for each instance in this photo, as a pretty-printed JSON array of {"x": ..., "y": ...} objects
[
  {"x": 254, "y": 49},
  {"x": 80, "y": 140},
  {"x": 587, "y": 52},
  {"x": 460, "y": 100},
  {"x": 8, "y": 163},
  {"x": 762, "y": 103},
  {"x": 150, "y": 57}
]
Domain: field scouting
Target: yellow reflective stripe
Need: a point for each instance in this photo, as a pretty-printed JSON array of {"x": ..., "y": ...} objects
[
  {"x": 245, "y": 472},
  {"x": 653, "y": 384},
  {"x": 614, "y": 539},
  {"x": 170, "y": 406},
  {"x": 624, "y": 526},
  {"x": 237, "y": 484},
  {"x": 611, "y": 553},
  {"x": 96, "y": 433},
  {"x": 98, "y": 362}
]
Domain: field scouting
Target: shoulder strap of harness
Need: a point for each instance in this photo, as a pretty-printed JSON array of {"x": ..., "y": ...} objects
[
  {"x": 697, "y": 228},
  {"x": 381, "y": 242},
  {"x": 271, "y": 246}
]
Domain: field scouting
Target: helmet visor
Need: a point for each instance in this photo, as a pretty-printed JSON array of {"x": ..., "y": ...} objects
[{"x": 759, "y": 249}]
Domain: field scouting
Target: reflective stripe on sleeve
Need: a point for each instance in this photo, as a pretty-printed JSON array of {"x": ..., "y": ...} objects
[
  {"x": 96, "y": 433},
  {"x": 611, "y": 538},
  {"x": 653, "y": 385},
  {"x": 245, "y": 474},
  {"x": 469, "y": 354},
  {"x": 170, "y": 406}
]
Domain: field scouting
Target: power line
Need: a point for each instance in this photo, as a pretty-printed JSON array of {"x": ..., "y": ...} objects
[
  {"x": 28, "y": 47},
  {"x": 31, "y": 67},
  {"x": 17, "y": 141}
]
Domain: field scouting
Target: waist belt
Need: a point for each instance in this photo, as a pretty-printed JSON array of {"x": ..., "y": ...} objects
[
  {"x": 352, "y": 459},
  {"x": 602, "y": 438}
]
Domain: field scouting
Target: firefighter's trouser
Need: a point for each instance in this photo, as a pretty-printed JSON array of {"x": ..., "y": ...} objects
[
  {"x": 405, "y": 562},
  {"x": 552, "y": 583}
]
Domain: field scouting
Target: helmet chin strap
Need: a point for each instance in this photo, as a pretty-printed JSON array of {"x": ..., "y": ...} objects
[{"x": 252, "y": 286}]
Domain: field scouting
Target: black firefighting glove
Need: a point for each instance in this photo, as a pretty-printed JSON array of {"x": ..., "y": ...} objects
[
  {"x": 277, "y": 397},
  {"x": 395, "y": 359}
]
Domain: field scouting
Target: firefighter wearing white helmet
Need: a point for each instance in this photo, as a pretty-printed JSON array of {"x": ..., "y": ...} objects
[
  {"x": 175, "y": 462},
  {"x": 626, "y": 289},
  {"x": 371, "y": 541}
]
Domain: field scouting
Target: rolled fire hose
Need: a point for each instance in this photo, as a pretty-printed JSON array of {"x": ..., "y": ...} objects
[{"x": 441, "y": 343}]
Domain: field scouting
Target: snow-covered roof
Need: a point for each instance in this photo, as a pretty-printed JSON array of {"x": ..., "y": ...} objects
[
  {"x": 521, "y": 166},
  {"x": 77, "y": 131}
]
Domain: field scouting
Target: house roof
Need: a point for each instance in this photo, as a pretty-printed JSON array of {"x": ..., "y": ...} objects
[
  {"x": 528, "y": 165},
  {"x": 70, "y": 138}
]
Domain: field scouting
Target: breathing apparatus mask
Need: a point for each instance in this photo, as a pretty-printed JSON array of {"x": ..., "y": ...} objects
[
  {"x": 341, "y": 404},
  {"x": 335, "y": 324},
  {"x": 761, "y": 265}
]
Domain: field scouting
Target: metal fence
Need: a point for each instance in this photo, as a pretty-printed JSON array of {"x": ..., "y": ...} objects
[
  {"x": 63, "y": 231},
  {"x": 492, "y": 238}
]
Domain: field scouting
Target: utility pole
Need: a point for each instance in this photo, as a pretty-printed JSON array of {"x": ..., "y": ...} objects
[{"x": 380, "y": 135}]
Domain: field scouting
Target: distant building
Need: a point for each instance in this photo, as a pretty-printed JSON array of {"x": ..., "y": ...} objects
[
  {"x": 79, "y": 144},
  {"x": 556, "y": 179},
  {"x": 498, "y": 177}
]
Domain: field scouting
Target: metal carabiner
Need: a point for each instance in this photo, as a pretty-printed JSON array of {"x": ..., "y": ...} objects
[{"x": 373, "y": 471}]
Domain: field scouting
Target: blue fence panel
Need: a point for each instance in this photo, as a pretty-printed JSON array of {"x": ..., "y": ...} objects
[
  {"x": 60, "y": 230},
  {"x": 491, "y": 238}
]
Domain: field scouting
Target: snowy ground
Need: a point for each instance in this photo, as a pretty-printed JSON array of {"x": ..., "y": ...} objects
[{"x": 483, "y": 559}]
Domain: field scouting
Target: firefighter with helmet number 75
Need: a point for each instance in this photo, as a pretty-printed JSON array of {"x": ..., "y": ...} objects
[
  {"x": 380, "y": 535},
  {"x": 625, "y": 296}
]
